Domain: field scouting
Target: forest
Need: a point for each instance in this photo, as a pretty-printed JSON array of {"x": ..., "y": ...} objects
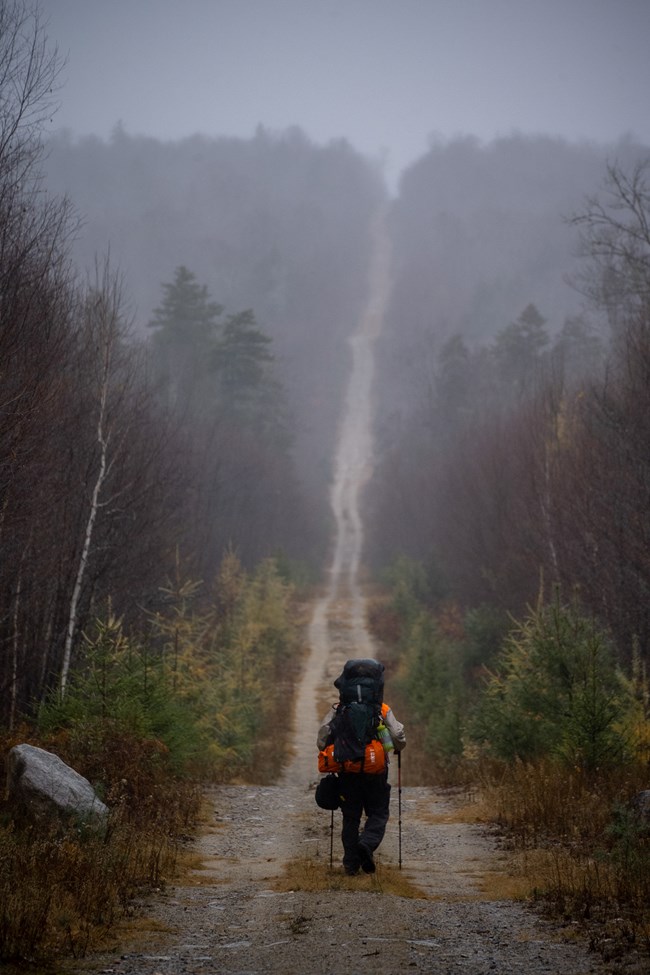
[
  {"x": 173, "y": 338},
  {"x": 513, "y": 470},
  {"x": 506, "y": 365},
  {"x": 156, "y": 427},
  {"x": 174, "y": 347}
]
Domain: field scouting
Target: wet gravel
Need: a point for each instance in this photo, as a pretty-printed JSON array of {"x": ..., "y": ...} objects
[{"x": 231, "y": 918}]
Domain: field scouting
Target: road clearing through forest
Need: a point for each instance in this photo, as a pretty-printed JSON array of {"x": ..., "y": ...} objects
[{"x": 262, "y": 897}]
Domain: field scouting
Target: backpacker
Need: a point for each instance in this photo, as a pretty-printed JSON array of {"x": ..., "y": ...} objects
[{"x": 353, "y": 730}]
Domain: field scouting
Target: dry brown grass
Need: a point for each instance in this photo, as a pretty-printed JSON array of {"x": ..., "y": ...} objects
[
  {"x": 314, "y": 875},
  {"x": 466, "y": 808},
  {"x": 64, "y": 886},
  {"x": 138, "y": 931},
  {"x": 506, "y": 885},
  {"x": 581, "y": 850},
  {"x": 62, "y": 889}
]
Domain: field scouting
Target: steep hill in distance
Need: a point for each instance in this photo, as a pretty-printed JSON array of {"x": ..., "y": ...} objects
[
  {"x": 479, "y": 232},
  {"x": 273, "y": 223}
]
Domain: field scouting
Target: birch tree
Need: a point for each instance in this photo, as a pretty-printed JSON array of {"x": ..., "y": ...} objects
[{"x": 104, "y": 333}]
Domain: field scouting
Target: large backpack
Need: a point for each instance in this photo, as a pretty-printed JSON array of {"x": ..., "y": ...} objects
[{"x": 354, "y": 726}]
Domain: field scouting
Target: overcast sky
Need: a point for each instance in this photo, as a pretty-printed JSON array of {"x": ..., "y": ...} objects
[{"x": 385, "y": 74}]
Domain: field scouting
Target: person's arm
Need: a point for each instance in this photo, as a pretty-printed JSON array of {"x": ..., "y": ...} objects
[
  {"x": 396, "y": 730},
  {"x": 324, "y": 730}
]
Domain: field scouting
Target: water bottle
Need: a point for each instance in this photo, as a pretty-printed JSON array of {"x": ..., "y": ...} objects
[{"x": 383, "y": 735}]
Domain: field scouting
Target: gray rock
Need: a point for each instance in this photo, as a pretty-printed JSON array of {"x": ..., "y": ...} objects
[{"x": 42, "y": 784}]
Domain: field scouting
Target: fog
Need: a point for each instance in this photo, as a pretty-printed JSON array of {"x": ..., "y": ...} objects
[
  {"x": 254, "y": 142},
  {"x": 447, "y": 388},
  {"x": 385, "y": 75}
]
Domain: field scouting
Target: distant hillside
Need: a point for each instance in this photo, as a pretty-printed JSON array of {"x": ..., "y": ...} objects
[
  {"x": 280, "y": 225},
  {"x": 479, "y": 232},
  {"x": 273, "y": 223}
]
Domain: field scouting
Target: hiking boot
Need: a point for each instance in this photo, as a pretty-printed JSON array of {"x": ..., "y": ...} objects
[
  {"x": 351, "y": 871},
  {"x": 367, "y": 859}
]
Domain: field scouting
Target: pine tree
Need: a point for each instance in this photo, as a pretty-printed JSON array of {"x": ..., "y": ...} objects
[
  {"x": 518, "y": 351},
  {"x": 187, "y": 325},
  {"x": 249, "y": 393}
]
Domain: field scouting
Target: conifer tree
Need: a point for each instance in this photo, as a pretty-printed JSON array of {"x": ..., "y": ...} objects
[
  {"x": 518, "y": 351},
  {"x": 249, "y": 393},
  {"x": 186, "y": 325}
]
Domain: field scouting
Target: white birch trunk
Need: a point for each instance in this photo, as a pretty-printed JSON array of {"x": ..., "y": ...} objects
[{"x": 108, "y": 336}]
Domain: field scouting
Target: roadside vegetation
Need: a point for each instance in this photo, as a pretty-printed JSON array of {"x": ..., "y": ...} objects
[
  {"x": 551, "y": 736},
  {"x": 517, "y": 608},
  {"x": 147, "y": 720}
]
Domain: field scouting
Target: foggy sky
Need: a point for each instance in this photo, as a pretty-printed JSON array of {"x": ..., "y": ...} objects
[{"x": 388, "y": 75}]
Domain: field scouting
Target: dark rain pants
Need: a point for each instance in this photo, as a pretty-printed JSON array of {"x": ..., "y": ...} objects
[{"x": 363, "y": 793}]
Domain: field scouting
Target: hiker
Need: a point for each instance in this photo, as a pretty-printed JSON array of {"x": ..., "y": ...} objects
[{"x": 361, "y": 789}]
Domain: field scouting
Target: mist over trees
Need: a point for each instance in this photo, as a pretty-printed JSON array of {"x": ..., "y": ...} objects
[
  {"x": 214, "y": 381},
  {"x": 491, "y": 330},
  {"x": 139, "y": 447},
  {"x": 174, "y": 348},
  {"x": 174, "y": 338},
  {"x": 480, "y": 232},
  {"x": 513, "y": 456},
  {"x": 273, "y": 223},
  {"x": 280, "y": 226}
]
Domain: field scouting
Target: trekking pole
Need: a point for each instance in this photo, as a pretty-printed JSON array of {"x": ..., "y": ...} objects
[
  {"x": 399, "y": 806},
  {"x": 332, "y": 841}
]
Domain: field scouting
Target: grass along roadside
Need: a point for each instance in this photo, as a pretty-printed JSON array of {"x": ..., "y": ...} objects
[
  {"x": 61, "y": 890},
  {"x": 307, "y": 874},
  {"x": 584, "y": 853},
  {"x": 146, "y": 721}
]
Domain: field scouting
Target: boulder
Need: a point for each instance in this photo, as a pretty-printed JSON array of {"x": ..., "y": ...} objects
[{"x": 42, "y": 784}]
